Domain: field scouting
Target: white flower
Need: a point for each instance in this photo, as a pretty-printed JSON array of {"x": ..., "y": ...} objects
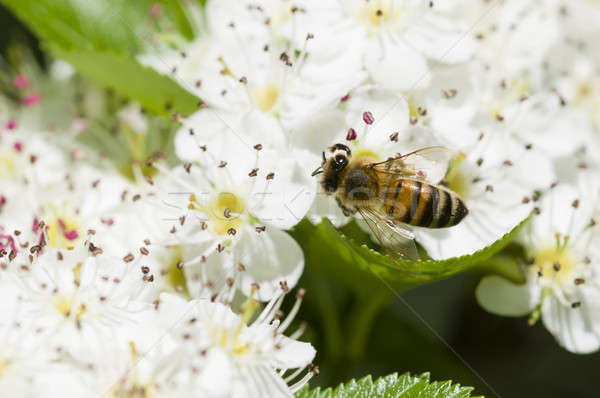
[
  {"x": 234, "y": 200},
  {"x": 395, "y": 39},
  {"x": 562, "y": 285},
  {"x": 22, "y": 356},
  {"x": 516, "y": 36},
  {"x": 79, "y": 301},
  {"x": 232, "y": 357},
  {"x": 28, "y": 161},
  {"x": 242, "y": 64}
]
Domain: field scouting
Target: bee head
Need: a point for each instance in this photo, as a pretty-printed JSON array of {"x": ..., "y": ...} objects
[{"x": 333, "y": 167}]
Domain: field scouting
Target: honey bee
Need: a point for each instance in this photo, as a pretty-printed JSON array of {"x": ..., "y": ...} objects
[{"x": 392, "y": 194}]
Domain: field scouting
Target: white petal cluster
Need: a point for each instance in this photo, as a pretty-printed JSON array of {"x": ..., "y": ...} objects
[
  {"x": 511, "y": 87},
  {"x": 95, "y": 297},
  {"x": 171, "y": 283}
]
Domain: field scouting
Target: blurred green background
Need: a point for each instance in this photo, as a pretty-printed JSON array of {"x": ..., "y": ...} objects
[{"x": 451, "y": 337}]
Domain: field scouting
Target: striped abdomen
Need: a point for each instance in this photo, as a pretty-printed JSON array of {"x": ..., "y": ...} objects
[{"x": 424, "y": 205}]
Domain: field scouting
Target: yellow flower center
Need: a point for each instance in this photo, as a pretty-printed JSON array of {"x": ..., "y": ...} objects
[
  {"x": 8, "y": 166},
  {"x": 512, "y": 93},
  {"x": 3, "y": 366},
  {"x": 588, "y": 99},
  {"x": 555, "y": 265},
  {"x": 63, "y": 305},
  {"x": 176, "y": 276},
  {"x": 379, "y": 13},
  {"x": 63, "y": 229},
  {"x": 457, "y": 181},
  {"x": 367, "y": 153},
  {"x": 222, "y": 336},
  {"x": 130, "y": 386},
  {"x": 224, "y": 212},
  {"x": 265, "y": 97}
]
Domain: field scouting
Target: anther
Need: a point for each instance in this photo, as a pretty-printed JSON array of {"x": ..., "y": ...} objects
[
  {"x": 284, "y": 286},
  {"x": 270, "y": 176},
  {"x": 394, "y": 137},
  {"x": 576, "y": 304},
  {"x": 222, "y": 163},
  {"x": 575, "y": 203},
  {"x": 253, "y": 172},
  {"x": 144, "y": 251},
  {"x": 351, "y": 135},
  {"x": 368, "y": 117},
  {"x": 128, "y": 258},
  {"x": 479, "y": 161},
  {"x": 556, "y": 266},
  {"x": 258, "y": 147},
  {"x": 579, "y": 281},
  {"x": 227, "y": 212},
  {"x": 231, "y": 231},
  {"x": 187, "y": 167},
  {"x": 261, "y": 228},
  {"x": 448, "y": 94},
  {"x": 145, "y": 269}
]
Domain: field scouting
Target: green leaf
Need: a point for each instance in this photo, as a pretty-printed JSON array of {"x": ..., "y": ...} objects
[
  {"x": 100, "y": 39},
  {"x": 122, "y": 73},
  {"x": 115, "y": 25},
  {"x": 362, "y": 268},
  {"x": 392, "y": 386}
]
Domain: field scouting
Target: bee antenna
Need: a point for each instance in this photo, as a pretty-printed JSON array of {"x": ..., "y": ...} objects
[
  {"x": 324, "y": 158},
  {"x": 319, "y": 170}
]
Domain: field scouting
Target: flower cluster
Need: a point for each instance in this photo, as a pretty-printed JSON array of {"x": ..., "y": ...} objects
[
  {"x": 95, "y": 296},
  {"x": 509, "y": 87},
  {"x": 168, "y": 278}
]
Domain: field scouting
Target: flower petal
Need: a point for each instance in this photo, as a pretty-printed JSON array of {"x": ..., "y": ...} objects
[
  {"x": 269, "y": 257},
  {"x": 395, "y": 65},
  {"x": 576, "y": 329},
  {"x": 499, "y": 296}
]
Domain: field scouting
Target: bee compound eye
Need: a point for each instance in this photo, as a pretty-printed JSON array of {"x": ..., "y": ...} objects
[{"x": 340, "y": 162}]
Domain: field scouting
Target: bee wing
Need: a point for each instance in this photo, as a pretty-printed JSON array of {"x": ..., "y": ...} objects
[
  {"x": 397, "y": 240},
  {"x": 427, "y": 164}
]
